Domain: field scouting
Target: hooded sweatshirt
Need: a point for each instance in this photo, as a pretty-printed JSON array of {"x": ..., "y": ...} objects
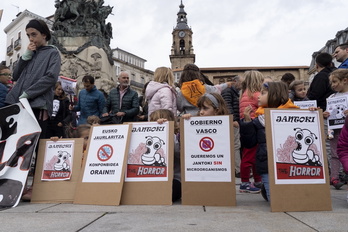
[
  {"x": 160, "y": 96},
  {"x": 36, "y": 78}
]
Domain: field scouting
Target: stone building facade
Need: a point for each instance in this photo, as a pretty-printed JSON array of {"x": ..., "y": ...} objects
[{"x": 134, "y": 65}]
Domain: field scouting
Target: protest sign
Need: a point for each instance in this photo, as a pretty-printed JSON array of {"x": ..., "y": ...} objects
[
  {"x": 102, "y": 177},
  {"x": 336, "y": 107},
  {"x": 150, "y": 164},
  {"x": 306, "y": 104},
  {"x": 68, "y": 85},
  {"x": 297, "y": 164},
  {"x": 19, "y": 134},
  {"x": 207, "y": 158},
  {"x": 58, "y": 167}
]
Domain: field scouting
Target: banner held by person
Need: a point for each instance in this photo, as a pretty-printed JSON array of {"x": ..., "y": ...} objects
[{"x": 19, "y": 134}]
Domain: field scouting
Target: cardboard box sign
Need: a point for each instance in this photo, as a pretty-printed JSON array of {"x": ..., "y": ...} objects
[
  {"x": 149, "y": 172},
  {"x": 207, "y": 161},
  {"x": 297, "y": 163},
  {"x": 58, "y": 168},
  {"x": 102, "y": 175}
]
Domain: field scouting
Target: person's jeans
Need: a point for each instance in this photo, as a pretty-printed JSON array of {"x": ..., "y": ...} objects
[{"x": 265, "y": 181}]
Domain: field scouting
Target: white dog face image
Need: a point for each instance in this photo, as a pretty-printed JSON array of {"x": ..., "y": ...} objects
[
  {"x": 151, "y": 156},
  {"x": 61, "y": 164},
  {"x": 302, "y": 154},
  {"x": 338, "y": 111}
]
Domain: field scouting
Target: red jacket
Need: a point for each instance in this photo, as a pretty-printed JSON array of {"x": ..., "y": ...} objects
[{"x": 245, "y": 101}]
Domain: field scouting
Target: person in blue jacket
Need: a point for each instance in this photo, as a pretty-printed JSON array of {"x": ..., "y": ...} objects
[
  {"x": 90, "y": 102},
  {"x": 341, "y": 55}
]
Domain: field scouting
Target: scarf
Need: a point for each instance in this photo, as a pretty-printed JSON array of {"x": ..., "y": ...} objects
[
  {"x": 192, "y": 91},
  {"x": 287, "y": 105}
]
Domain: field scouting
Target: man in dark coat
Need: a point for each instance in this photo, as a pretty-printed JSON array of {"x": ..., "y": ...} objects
[
  {"x": 231, "y": 97},
  {"x": 122, "y": 101},
  {"x": 320, "y": 88}
]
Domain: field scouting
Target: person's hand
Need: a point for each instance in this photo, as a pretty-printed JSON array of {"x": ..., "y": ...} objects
[
  {"x": 313, "y": 108},
  {"x": 31, "y": 46},
  {"x": 55, "y": 138},
  {"x": 186, "y": 116},
  {"x": 326, "y": 114},
  {"x": 71, "y": 107},
  {"x": 246, "y": 113},
  {"x": 120, "y": 114},
  {"x": 229, "y": 84},
  {"x": 105, "y": 114},
  {"x": 345, "y": 113},
  {"x": 235, "y": 124},
  {"x": 60, "y": 124},
  {"x": 141, "y": 117},
  {"x": 161, "y": 120}
]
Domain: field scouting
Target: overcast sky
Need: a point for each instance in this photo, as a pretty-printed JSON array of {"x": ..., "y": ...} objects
[{"x": 226, "y": 33}]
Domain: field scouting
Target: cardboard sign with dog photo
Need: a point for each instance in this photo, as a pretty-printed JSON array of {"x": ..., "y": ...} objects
[
  {"x": 149, "y": 164},
  {"x": 58, "y": 168},
  {"x": 297, "y": 163},
  {"x": 336, "y": 107}
]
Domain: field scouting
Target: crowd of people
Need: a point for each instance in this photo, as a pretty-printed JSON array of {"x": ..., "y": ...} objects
[{"x": 245, "y": 97}]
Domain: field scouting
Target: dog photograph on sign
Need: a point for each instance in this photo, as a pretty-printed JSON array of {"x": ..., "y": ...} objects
[{"x": 297, "y": 163}]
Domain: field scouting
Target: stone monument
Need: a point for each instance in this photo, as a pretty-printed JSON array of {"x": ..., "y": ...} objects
[{"x": 83, "y": 37}]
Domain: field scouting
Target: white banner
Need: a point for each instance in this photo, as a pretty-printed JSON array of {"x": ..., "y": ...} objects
[{"x": 19, "y": 134}]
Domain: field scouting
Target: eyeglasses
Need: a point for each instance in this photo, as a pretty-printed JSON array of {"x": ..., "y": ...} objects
[{"x": 6, "y": 74}]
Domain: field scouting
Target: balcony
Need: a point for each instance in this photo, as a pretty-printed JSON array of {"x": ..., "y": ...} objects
[
  {"x": 10, "y": 50},
  {"x": 18, "y": 44}
]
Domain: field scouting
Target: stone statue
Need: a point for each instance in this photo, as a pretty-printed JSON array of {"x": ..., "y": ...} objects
[
  {"x": 83, "y": 37},
  {"x": 83, "y": 18}
]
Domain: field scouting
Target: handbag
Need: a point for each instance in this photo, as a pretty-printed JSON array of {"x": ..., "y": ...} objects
[{"x": 111, "y": 119}]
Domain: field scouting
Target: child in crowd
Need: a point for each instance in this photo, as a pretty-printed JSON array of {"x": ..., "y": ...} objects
[
  {"x": 342, "y": 147},
  {"x": 210, "y": 104},
  {"x": 93, "y": 120},
  {"x": 298, "y": 91},
  {"x": 161, "y": 116},
  {"x": 251, "y": 87},
  {"x": 160, "y": 93},
  {"x": 339, "y": 83},
  {"x": 273, "y": 95},
  {"x": 287, "y": 78},
  {"x": 5, "y": 79},
  {"x": 193, "y": 85},
  {"x": 81, "y": 131},
  {"x": 60, "y": 113}
]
